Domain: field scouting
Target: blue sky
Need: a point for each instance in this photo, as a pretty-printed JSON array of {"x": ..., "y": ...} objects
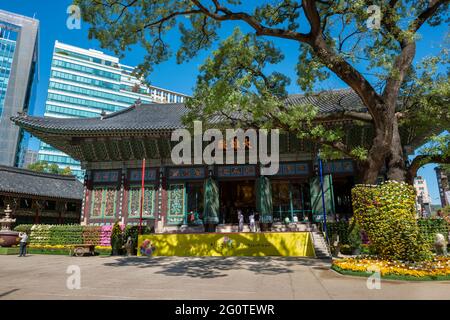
[{"x": 52, "y": 16}]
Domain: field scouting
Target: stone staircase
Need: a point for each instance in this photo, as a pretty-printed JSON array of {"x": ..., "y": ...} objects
[{"x": 321, "y": 248}]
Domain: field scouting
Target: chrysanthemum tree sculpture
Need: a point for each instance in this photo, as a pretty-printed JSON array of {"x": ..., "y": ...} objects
[{"x": 387, "y": 214}]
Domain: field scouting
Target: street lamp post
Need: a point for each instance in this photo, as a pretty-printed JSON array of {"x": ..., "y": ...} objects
[{"x": 319, "y": 160}]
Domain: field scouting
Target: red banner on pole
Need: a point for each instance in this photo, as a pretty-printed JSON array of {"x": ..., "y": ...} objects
[{"x": 142, "y": 196}]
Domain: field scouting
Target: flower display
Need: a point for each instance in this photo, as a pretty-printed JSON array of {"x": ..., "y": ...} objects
[
  {"x": 105, "y": 235},
  {"x": 437, "y": 267},
  {"x": 147, "y": 248},
  {"x": 387, "y": 214}
]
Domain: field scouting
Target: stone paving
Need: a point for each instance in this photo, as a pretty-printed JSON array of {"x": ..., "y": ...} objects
[{"x": 241, "y": 278}]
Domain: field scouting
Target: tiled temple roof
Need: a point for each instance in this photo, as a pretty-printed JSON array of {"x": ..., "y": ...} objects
[
  {"x": 167, "y": 117},
  {"x": 135, "y": 118},
  {"x": 330, "y": 101},
  {"x": 27, "y": 182}
]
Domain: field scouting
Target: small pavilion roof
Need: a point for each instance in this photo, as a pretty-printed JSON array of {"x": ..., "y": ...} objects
[{"x": 26, "y": 182}]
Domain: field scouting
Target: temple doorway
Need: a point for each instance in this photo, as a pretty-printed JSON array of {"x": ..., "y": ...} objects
[{"x": 235, "y": 195}]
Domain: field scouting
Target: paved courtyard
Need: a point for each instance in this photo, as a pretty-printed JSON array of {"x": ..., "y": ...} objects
[{"x": 45, "y": 277}]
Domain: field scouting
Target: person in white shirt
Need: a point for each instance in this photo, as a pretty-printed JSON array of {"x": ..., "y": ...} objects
[
  {"x": 241, "y": 220},
  {"x": 23, "y": 244},
  {"x": 252, "y": 222}
]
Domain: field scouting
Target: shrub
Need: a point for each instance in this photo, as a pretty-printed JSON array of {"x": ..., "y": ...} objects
[
  {"x": 340, "y": 229},
  {"x": 346, "y": 249},
  {"x": 116, "y": 239},
  {"x": 24, "y": 228},
  {"x": 429, "y": 228},
  {"x": 354, "y": 237},
  {"x": 387, "y": 215}
]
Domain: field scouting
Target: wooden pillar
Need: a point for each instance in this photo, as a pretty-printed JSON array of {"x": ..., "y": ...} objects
[
  {"x": 162, "y": 201},
  {"x": 38, "y": 205},
  {"x": 62, "y": 211},
  {"x": 87, "y": 192},
  {"x": 123, "y": 216}
]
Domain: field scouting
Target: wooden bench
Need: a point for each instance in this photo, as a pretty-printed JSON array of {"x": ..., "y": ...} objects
[{"x": 80, "y": 250}]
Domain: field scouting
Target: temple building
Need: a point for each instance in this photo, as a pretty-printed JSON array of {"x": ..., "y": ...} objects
[
  {"x": 40, "y": 198},
  {"x": 111, "y": 149}
]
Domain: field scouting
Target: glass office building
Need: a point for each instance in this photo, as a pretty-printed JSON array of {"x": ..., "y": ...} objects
[
  {"x": 18, "y": 80},
  {"x": 88, "y": 83}
]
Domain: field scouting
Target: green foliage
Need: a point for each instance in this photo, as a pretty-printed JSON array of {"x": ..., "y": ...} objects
[
  {"x": 354, "y": 237},
  {"x": 116, "y": 239},
  {"x": 341, "y": 229},
  {"x": 24, "y": 228},
  {"x": 387, "y": 215},
  {"x": 429, "y": 228},
  {"x": 43, "y": 166},
  {"x": 66, "y": 234},
  {"x": 40, "y": 234},
  {"x": 446, "y": 210}
]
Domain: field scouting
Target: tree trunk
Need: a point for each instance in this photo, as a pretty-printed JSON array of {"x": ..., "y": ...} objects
[
  {"x": 371, "y": 168},
  {"x": 396, "y": 158}
]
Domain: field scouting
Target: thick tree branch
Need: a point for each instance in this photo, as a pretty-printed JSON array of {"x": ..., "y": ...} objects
[
  {"x": 345, "y": 115},
  {"x": 422, "y": 160},
  {"x": 342, "y": 68},
  {"x": 408, "y": 51},
  {"x": 251, "y": 21},
  {"x": 433, "y": 6}
]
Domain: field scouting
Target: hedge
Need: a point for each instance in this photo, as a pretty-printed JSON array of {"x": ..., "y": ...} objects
[{"x": 429, "y": 228}]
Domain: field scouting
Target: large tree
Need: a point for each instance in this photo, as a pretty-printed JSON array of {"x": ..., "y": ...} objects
[
  {"x": 44, "y": 166},
  {"x": 369, "y": 45}
]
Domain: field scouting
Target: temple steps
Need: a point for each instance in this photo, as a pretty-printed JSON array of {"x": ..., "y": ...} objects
[{"x": 321, "y": 248}]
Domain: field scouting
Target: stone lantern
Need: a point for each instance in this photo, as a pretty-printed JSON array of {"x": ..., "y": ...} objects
[{"x": 8, "y": 238}]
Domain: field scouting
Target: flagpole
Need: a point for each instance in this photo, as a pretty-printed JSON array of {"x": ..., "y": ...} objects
[
  {"x": 323, "y": 198},
  {"x": 142, "y": 196}
]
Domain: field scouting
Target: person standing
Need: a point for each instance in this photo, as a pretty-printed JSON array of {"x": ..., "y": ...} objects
[
  {"x": 129, "y": 247},
  {"x": 252, "y": 222},
  {"x": 241, "y": 221},
  {"x": 257, "y": 226},
  {"x": 23, "y": 244}
]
